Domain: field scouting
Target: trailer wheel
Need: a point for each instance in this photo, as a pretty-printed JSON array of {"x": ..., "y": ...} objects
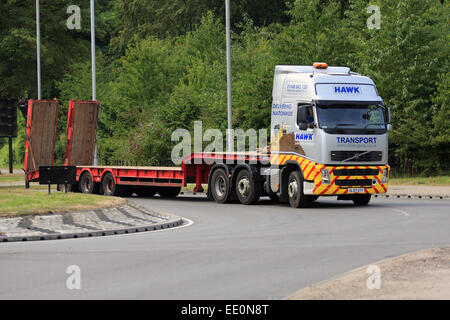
[
  {"x": 109, "y": 185},
  {"x": 220, "y": 186},
  {"x": 87, "y": 184},
  {"x": 169, "y": 192},
  {"x": 361, "y": 199},
  {"x": 297, "y": 199},
  {"x": 247, "y": 191}
]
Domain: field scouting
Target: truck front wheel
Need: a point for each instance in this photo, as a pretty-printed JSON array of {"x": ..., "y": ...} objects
[
  {"x": 361, "y": 199},
  {"x": 247, "y": 191},
  {"x": 295, "y": 190}
]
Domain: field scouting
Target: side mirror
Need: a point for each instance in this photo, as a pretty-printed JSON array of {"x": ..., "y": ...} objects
[
  {"x": 389, "y": 127},
  {"x": 301, "y": 114},
  {"x": 302, "y": 126}
]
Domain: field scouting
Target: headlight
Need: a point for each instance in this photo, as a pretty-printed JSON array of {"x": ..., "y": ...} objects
[
  {"x": 325, "y": 176},
  {"x": 384, "y": 176}
]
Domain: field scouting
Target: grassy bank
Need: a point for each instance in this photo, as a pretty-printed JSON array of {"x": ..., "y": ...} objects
[
  {"x": 36, "y": 200},
  {"x": 426, "y": 181},
  {"x": 6, "y": 177}
]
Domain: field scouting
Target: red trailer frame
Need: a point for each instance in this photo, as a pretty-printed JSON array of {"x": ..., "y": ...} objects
[{"x": 194, "y": 169}]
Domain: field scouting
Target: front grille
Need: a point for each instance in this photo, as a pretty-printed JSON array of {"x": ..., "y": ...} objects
[
  {"x": 344, "y": 155},
  {"x": 356, "y": 172},
  {"x": 354, "y": 183}
]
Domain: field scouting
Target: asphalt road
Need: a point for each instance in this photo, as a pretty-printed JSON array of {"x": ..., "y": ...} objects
[{"x": 231, "y": 251}]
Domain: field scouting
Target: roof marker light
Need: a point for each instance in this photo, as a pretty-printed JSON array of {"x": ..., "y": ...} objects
[{"x": 320, "y": 65}]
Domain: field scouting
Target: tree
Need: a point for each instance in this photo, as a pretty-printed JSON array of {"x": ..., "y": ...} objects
[
  {"x": 162, "y": 18},
  {"x": 405, "y": 57}
]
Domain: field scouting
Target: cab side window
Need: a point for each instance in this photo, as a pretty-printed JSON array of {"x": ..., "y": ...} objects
[
  {"x": 305, "y": 117},
  {"x": 309, "y": 117}
]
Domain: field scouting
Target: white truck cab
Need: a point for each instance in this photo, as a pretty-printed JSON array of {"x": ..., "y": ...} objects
[{"x": 340, "y": 125}]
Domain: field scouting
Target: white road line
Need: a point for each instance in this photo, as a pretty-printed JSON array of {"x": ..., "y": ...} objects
[{"x": 406, "y": 214}]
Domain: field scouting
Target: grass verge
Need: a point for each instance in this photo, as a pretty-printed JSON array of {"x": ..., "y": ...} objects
[
  {"x": 15, "y": 201},
  {"x": 430, "y": 181},
  {"x": 6, "y": 178}
]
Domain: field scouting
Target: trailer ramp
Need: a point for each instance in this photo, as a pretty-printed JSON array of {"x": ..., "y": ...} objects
[
  {"x": 42, "y": 119},
  {"x": 81, "y": 133}
]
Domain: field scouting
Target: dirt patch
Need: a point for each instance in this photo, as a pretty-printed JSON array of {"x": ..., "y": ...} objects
[{"x": 420, "y": 275}]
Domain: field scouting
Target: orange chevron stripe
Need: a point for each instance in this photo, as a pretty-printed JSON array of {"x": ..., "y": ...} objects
[
  {"x": 326, "y": 189},
  {"x": 274, "y": 159},
  {"x": 311, "y": 171}
]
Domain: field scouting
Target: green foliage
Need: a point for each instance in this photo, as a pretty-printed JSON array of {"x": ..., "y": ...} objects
[
  {"x": 18, "y": 145},
  {"x": 162, "y": 18},
  {"x": 405, "y": 58}
]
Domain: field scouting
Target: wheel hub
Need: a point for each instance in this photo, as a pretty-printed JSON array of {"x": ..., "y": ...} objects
[
  {"x": 220, "y": 186},
  {"x": 243, "y": 186},
  {"x": 292, "y": 189}
]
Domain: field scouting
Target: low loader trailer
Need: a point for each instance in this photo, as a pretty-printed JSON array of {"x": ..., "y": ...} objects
[{"x": 329, "y": 132}]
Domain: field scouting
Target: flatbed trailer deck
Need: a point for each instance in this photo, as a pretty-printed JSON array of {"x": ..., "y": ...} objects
[{"x": 194, "y": 169}]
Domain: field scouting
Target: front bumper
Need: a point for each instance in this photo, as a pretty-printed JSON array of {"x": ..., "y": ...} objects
[{"x": 348, "y": 180}]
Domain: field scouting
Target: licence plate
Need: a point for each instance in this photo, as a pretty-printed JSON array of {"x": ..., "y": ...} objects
[{"x": 356, "y": 190}]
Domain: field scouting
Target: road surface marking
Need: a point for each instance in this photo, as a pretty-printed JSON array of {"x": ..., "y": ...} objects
[{"x": 406, "y": 214}]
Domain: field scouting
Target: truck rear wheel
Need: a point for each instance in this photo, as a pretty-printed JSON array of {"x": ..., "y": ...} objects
[
  {"x": 169, "y": 192},
  {"x": 87, "y": 184},
  {"x": 297, "y": 199},
  {"x": 361, "y": 199},
  {"x": 220, "y": 186},
  {"x": 247, "y": 191}
]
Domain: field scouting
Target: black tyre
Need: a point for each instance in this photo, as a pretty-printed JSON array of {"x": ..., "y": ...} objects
[
  {"x": 169, "y": 192},
  {"x": 87, "y": 184},
  {"x": 109, "y": 186},
  {"x": 219, "y": 186},
  {"x": 145, "y": 192},
  {"x": 247, "y": 190},
  {"x": 361, "y": 199},
  {"x": 295, "y": 190}
]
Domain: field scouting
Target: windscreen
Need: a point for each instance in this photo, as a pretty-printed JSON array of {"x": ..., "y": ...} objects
[{"x": 351, "y": 118}]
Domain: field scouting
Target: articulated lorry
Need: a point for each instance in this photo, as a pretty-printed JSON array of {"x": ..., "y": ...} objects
[{"x": 329, "y": 131}]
